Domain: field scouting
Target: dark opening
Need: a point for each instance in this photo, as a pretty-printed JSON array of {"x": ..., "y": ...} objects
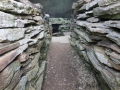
[{"x": 55, "y": 28}]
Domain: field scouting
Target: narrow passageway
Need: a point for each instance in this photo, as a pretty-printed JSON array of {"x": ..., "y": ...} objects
[{"x": 64, "y": 70}]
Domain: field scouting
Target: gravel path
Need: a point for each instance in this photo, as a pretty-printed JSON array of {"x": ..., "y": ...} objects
[{"x": 64, "y": 69}]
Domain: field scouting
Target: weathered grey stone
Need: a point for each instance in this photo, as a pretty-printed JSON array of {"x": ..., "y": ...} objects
[
  {"x": 83, "y": 8},
  {"x": 27, "y": 2},
  {"x": 112, "y": 17},
  {"x": 11, "y": 34},
  {"x": 115, "y": 24},
  {"x": 25, "y": 64},
  {"x": 28, "y": 37},
  {"x": 32, "y": 50},
  {"x": 17, "y": 7},
  {"x": 38, "y": 81},
  {"x": 25, "y": 21},
  {"x": 8, "y": 20},
  {"x": 96, "y": 38},
  {"x": 89, "y": 5},
  {"x": 74, "y": 35},
  {"x": 32, "y": 28},
  {"x": 29, "y": 86},
  {"x": 82, "y": 40},
  {"x": 39, "y": 5},
  {"x": 80, "y": 3},
  {"x": 21, "y": 85},
  {"x": 103, "y": 52},
  {"x": 106, "y": 75},
  {"x": 109, "y": 10},
  {"x": 15, "y": 80},
  {"x": 103, "y": 58},
  {"x": 40, "y": 36},
  {"x": 115, "y": 56},
  {"x": 97, "y": 28},
  {"x": 114, "y": 36},
  {"x": 39, "y": 44},
  {"x": 72, "y": 42},
  {"x": 107, "y": 2},
  {"x": 23, "y": 17},
  {"x": 81, "y": 48},
  {"x": 83, "y": 34},
  {"x": 89, "y": 13},
  {"x": 116, "y": 75},
  {"x": 108, "y": 44},
  {"x": 115, "y": 48},
  {"x": 32, "y": 64},
  {"x": 92, "y": 20},
  {"x": 81, "y": 23},
  {"x": 82, "y": 16},
  {"x": 38, "y": 18},
  {"x": 79, "y": 45},
  {"x": 32, "y": 73},
  {"x": 10, "y": 56},
  {"x": 92, "y": 4},
  {"x": 7, "y": 74},
  {"x": 22, "y": 25}
]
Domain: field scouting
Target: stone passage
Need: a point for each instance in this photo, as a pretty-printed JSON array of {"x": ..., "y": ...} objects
[{"x": 64, "y": 70}]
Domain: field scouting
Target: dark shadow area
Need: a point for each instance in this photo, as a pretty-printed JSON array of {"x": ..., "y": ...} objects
[{"x": 55, "y": 28}]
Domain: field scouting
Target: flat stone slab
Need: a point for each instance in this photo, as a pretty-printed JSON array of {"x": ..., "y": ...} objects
[
  {"x": 8, "y": 73},
  {"x": 107, "y": 2},
  {"x": 83, "y": 34},
  {"x": 114, "y": 36},
  {"x": 109, "y": 44},
  {"x": 92, "y": 4},
  {"x": 82, "y": 16},
  {"x": 81, "y": 23},
  {"x": 10, "y": 56},
  {"x": 8, "y": 47},
  {"x": 103, "y": 58},
  {"x": 108, "y": 10},
  {"x": 97, "y": 28},
  {"x": 12, "y": 34},
  {"x": 92, "y": 20},
  {"x": 108, "y": 74},
  {"x": 115, "y": 24}
]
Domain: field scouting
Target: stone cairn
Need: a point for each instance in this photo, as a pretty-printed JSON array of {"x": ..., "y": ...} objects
[
  {"x": 96, "y": 35},
  {"x": 25, "y": 33}
]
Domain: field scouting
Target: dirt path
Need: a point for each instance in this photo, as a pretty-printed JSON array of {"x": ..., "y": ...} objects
[{"x": 64, "y": 70}]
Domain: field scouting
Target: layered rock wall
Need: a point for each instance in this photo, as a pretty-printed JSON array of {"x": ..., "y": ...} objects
[
  {"x": 96, "y": 35},
  {"x": 25, "y": 33}
]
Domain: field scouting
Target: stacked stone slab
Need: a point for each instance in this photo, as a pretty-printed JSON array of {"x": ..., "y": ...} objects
[
  {"x": 25, "y": 33},
  {"x": 96, "y": 35}
]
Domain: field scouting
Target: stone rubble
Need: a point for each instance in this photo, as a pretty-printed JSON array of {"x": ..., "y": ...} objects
[
  {"x": 25, "y": 34},
  {"x": 95, "y": 34}
]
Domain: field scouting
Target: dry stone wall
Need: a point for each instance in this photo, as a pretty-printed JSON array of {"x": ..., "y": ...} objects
[
  {"x": 25, "y": 33},
  {"x": 96, "y": 35}
]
